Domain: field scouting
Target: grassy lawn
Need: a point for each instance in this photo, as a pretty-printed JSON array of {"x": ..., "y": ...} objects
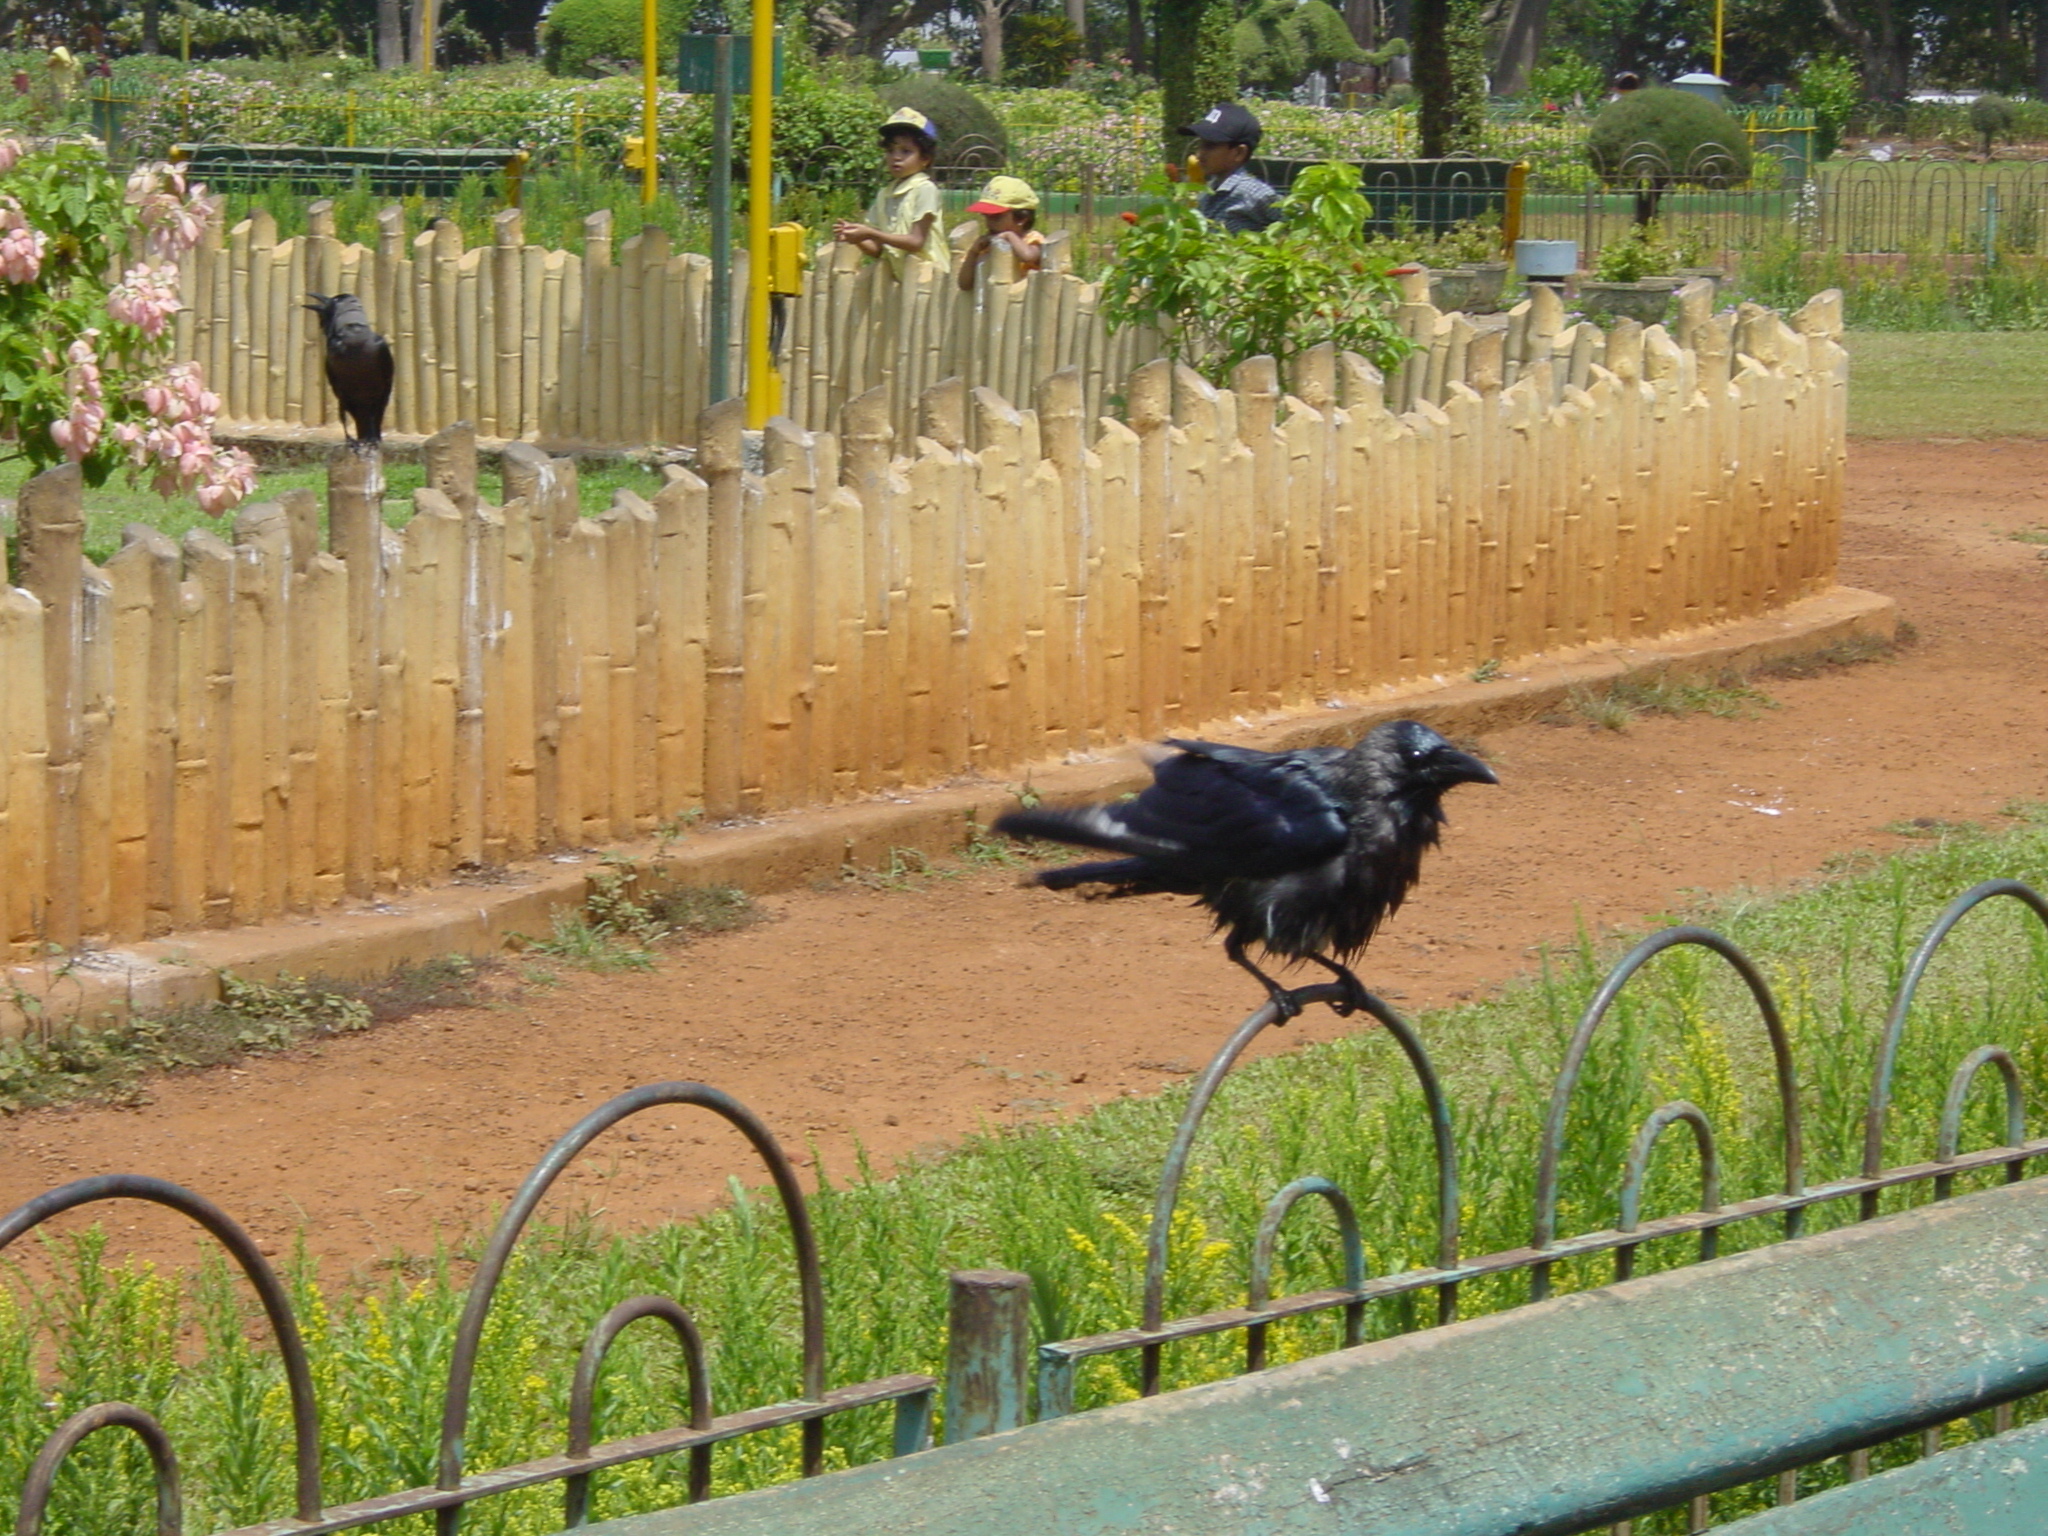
[
  {"x": 1948, "y": 383},
  {"x": 116, "y": 504}
]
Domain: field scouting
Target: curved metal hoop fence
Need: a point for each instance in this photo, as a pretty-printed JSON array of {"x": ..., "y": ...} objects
[
  {"x": 454, "y": 1489},
  {"x": 1350, "y": 1295}
]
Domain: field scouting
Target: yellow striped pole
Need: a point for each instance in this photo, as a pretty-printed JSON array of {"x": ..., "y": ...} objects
[
  {"x": 764, "y": 386},
  {"x": 649, "y": 43}
]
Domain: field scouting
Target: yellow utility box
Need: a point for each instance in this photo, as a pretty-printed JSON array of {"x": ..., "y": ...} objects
[
  {"x": 786, "y": 261},
  {"x": 636, "y": 152}
]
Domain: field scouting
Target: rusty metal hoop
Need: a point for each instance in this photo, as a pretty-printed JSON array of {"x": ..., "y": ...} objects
[
  {"x": 242, "y": 1249},
  {"x": 583, "y": 1392},
  {"x": 1895, "y": 1022},
  {"x": 498, "y": 1253},
  {"x": 1270, "y": 1222},
  {"x": 42, "y": 1474},
  {"x": 1552, "y": 1148},
  {"x": 1175, "y": 1171},
  {"x": 1637, "y": 1169}
]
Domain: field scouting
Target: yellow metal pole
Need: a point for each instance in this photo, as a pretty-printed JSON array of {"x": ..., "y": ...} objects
[
  {"x": 1720, "y": 27},
  {"x": 430, "y": 29},
  {"x": 649, "y": 173},
  {"x": 764, "y": 385}
]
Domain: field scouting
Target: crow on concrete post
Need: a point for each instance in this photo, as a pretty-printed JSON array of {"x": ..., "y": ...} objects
[
  {"x": 359, "y": 365},
  {"x": 1302, "y": 853}
]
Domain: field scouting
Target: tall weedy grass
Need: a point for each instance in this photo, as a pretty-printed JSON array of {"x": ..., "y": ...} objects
[{"x": 1068, "y": 1205}]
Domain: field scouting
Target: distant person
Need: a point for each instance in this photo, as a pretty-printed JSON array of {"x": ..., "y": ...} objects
[
  {"x": 902, "y": 222},
  {"x": 1009, "y": 209},
  {"x": 1236, "y": 199},
  {"x": 1628, "y": 80}
]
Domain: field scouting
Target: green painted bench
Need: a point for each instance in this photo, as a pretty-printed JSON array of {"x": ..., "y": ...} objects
[
  {"x": 1561, "y": 1416},
  {"x": 389, "y": 171}
]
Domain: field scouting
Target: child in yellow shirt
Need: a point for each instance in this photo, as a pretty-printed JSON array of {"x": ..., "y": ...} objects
[{"x": 902, "y": 222}]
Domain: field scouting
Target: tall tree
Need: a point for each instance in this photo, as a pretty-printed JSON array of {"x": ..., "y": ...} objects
[
  {"x": 1521, "y": 40},
  {"x": 390, "y": 34},
  {"x": 1883, "y": 40},
  {"x": 1449, "y": 60},
  {"x": 1197, "y": 61}
]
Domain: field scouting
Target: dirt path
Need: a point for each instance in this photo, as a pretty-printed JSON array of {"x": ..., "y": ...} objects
[{"x": 904, "y": 1017}]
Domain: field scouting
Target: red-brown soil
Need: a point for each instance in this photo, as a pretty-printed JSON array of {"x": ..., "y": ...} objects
[{"x": 905, "y": 1017}]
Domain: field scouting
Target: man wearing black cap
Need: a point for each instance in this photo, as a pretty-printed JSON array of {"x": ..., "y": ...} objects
[{"x": 1236, "y": 199}]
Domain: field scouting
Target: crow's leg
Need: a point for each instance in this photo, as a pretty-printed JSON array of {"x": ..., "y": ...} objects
[
  {"x": 1283, "y": 1000},
  {"x": 1354, "y": 989}
]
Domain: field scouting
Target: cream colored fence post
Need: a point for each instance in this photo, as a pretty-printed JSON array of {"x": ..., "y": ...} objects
[
  {"x": 51, "y": 518},
  {"x": 355, "y": 530},
  {"x": 1075, "y": 687},
  {"x": 24, "y": 777},
  {"x": 943, "y": 477},
  {"x": 682, "y": 574},
  {"x": 866, "y": 439},
  {"x": 725, "y": 659}
]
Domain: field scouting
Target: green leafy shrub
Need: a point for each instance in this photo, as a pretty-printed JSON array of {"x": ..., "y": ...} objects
[
  {"x": 969, "y": 132},
  {"x": 1832, "y": 90},
  {"x": 580, "y": 36},
  {"x": 1643, "y": 254},
  {"x": 1564, "y": 77},
  {"x": 1222, "y": 298},
  {"x": 1040, "y": 49},
  {"x": 1658, "y": 135}
]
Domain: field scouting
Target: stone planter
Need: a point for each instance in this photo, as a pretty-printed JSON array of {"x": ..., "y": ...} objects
[
  {"x": 1474, "y": 289},
  {"x": 1647, "y": 301}
]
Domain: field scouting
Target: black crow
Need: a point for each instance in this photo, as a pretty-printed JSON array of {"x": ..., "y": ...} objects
[
  {"x": 1303, "y": 853},
  {"x": 359, "y": 365}
]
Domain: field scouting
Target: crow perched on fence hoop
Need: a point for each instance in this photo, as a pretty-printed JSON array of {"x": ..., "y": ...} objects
[
  {"x": 359, "y": 365},
  {"x": 1303, "y": 853}
]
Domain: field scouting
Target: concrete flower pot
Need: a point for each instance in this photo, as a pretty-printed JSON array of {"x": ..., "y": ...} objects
[
  {"x": 1473, "y": 288},
  {"x": 1647, "y": 300}
]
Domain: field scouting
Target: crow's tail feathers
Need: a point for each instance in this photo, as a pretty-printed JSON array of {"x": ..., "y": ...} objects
[{"x": 1087, "y": 826}]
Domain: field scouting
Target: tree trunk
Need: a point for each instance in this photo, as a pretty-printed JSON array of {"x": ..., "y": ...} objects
[
  {"x": 1884, "y": 50},
  {"x": 152, "y": 40},
  {"x": 2041, "y": 49},
  {"x": 1134, "y": 33},
  {"x": 390, "y": 34},
  {"x": 991, "y": 14},
  {"x": 1077, "y": 18},
  {"x": 1430, "y": 59},
  {"x": 1520, "y": 43},
  {"x": 1197, "y": 62}
]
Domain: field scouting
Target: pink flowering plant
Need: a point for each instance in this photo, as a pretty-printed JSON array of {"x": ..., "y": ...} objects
[{"x": 88, "y": 293}]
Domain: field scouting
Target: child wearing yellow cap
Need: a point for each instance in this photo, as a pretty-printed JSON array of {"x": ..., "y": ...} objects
[
  {"x": 903, "y": 218},
  {"x": 1009, "y": 208}
]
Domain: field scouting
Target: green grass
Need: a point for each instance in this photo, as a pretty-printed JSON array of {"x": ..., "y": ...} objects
[
  {"x": 113, "y": 506},
  {"x": 1948, "y": 383},
  {"x": 1067, "y": 1205},
  {"x": 1617, "y": 706}
]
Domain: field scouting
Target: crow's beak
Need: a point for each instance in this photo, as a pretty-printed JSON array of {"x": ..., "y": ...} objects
[{"x": 1454, "y": 767}]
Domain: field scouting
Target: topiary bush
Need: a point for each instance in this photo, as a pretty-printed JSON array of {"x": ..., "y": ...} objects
[
  {"x": 1657, "y": 139},
  {"x": 1990, "y": 117},
  {"x": 1664, "y": 134},
  {"x": 591, "y": 37},
  {"x": 971, "y": 136}
]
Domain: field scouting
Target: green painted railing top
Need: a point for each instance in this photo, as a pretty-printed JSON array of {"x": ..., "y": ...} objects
[{"x": 1560, "y": 1416}]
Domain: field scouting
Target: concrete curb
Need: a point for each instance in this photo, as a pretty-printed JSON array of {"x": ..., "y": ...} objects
[{"x": 792, "y": 849}]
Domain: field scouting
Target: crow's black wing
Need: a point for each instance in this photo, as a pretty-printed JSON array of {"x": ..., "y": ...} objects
[{"x": 1211, "y": 813}]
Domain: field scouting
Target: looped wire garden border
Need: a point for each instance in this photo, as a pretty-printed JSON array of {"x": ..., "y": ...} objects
[
  {"x": 1059, "y": 1360},
  {"x": 454, "y": 1489},
  {"x": 913, "y": 1395}
]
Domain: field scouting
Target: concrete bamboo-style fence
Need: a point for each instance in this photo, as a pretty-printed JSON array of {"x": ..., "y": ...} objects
[
  {"x": 220, "y": 732},
  {"x": 611, "y": 348}
]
